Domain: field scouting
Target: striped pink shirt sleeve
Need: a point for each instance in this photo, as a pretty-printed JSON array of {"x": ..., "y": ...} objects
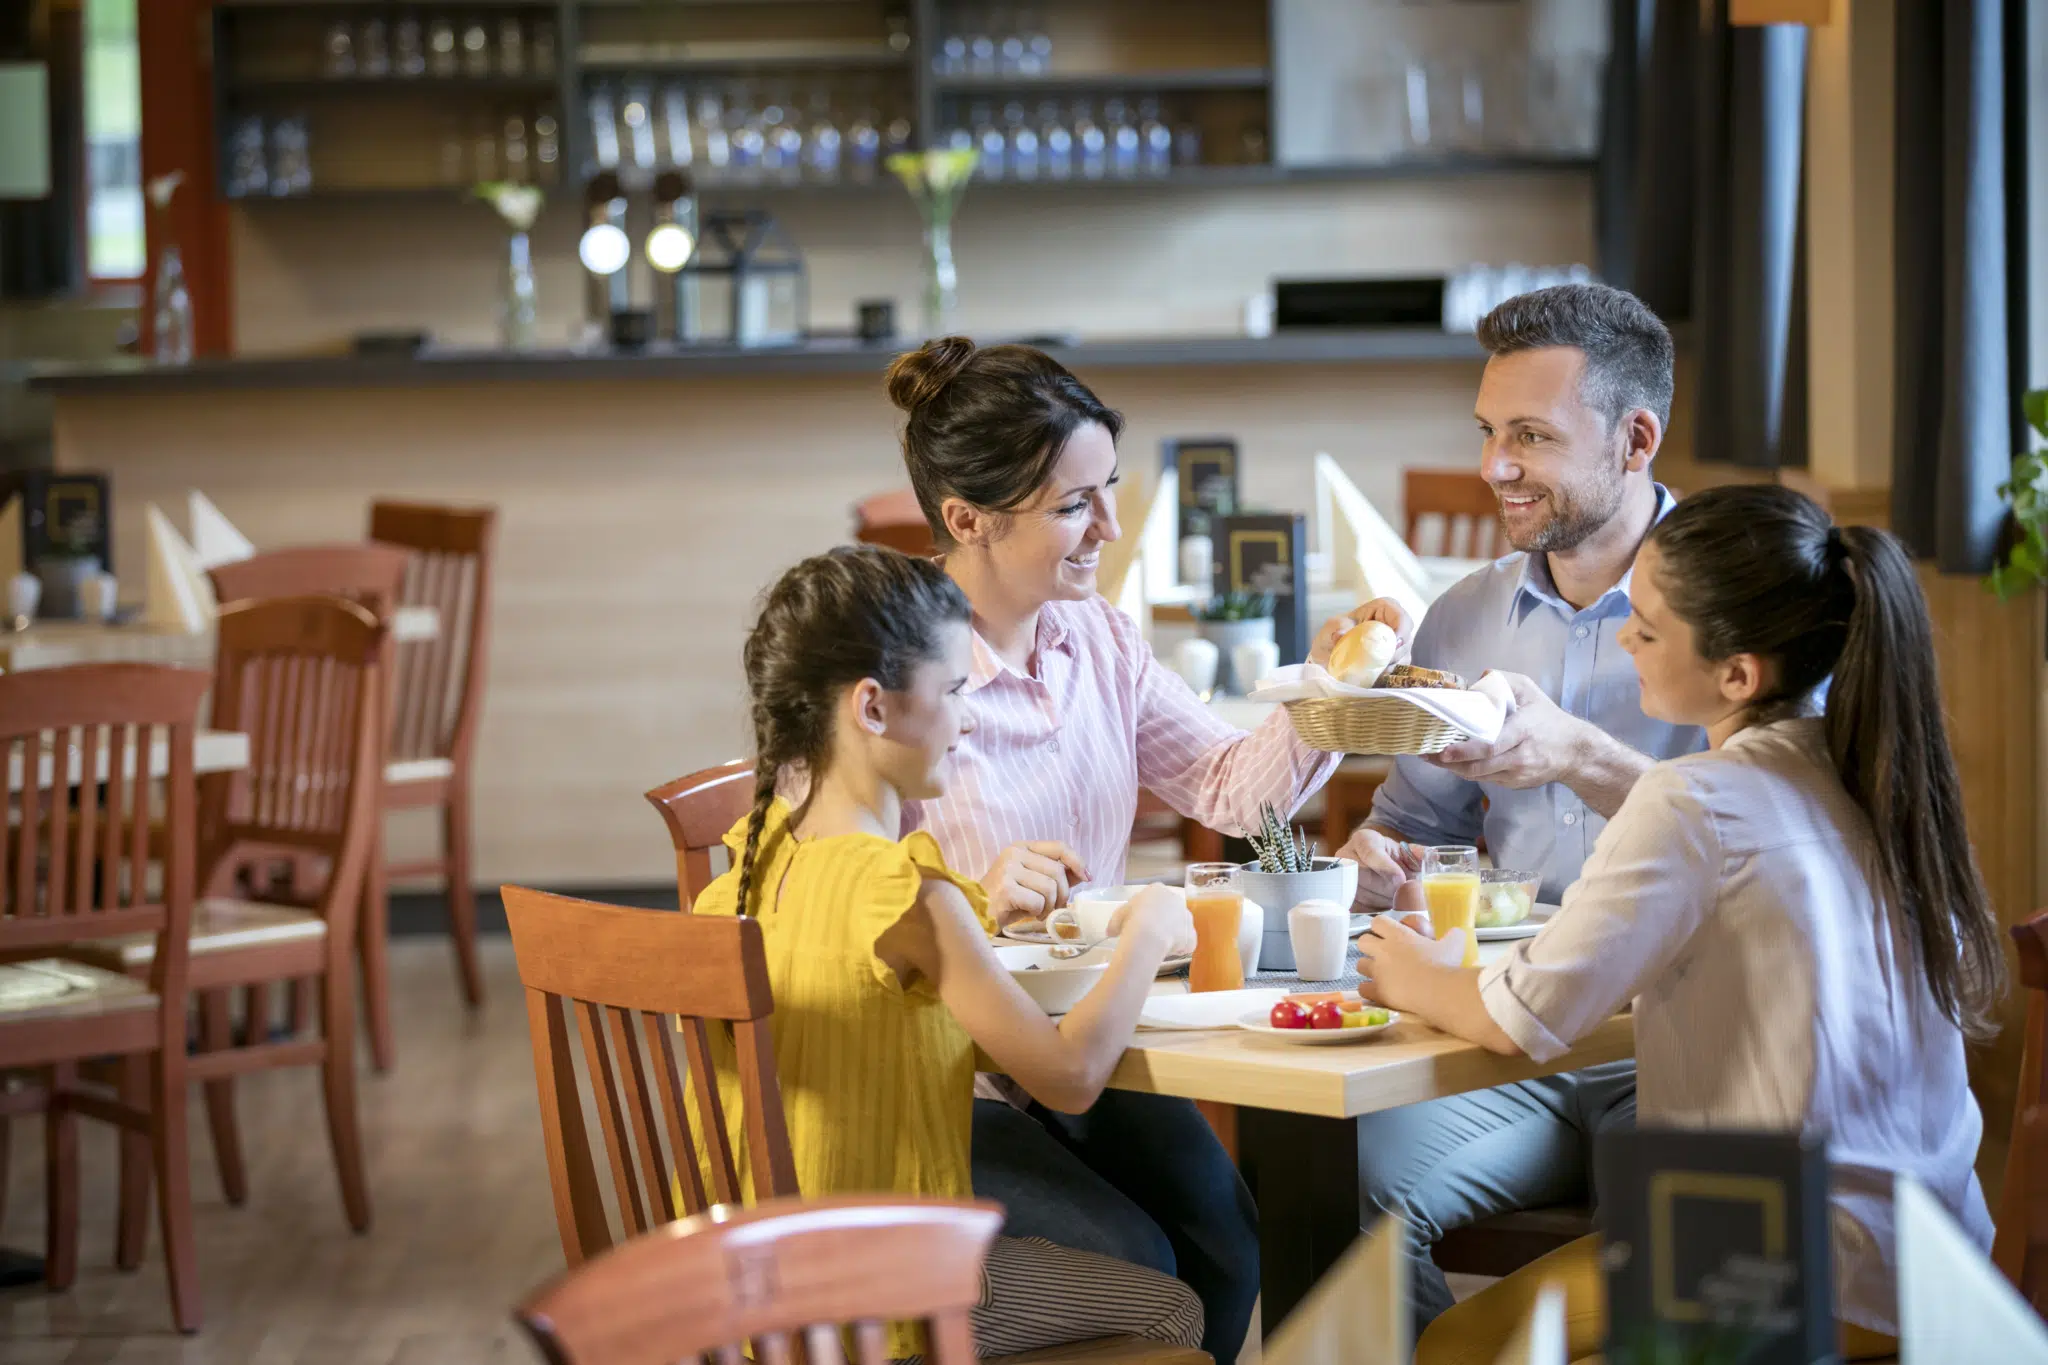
[{"x": 1060, "y": 753}]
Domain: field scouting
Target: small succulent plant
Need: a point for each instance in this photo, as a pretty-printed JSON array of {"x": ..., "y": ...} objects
[{"x": 1280, "y": 849}]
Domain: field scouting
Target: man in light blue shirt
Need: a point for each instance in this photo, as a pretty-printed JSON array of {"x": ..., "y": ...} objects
[{"x": 1571, "y": 410}]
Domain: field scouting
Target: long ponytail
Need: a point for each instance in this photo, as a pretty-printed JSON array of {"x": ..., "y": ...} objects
[
  {"x": 852, "y": 613},
  {"x": 1889, "y": 740},
  {"x": 1759, "y": 569}
]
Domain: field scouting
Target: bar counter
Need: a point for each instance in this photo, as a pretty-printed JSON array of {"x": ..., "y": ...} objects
[{"x": 640, "y": 520}]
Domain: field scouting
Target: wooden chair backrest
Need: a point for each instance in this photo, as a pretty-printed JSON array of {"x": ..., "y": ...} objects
[
  {"x": 299, "y": 676},
  {"x": 78, "y": 864},
  {"x": 894, "y": 519},
  {"x": 438, "y": 687},
  {"x": 698, "y": 809},
  {"x": 607, "y": 964},
  {"x": 1470, "y": 512},
  {"x": 2020, "y": 1248},
  {"x": 783, "y": 1277},
  {"x": 369, "y": 575}
]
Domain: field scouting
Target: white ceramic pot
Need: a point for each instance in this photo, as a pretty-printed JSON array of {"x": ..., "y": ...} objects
[
  {"x": 1331, "y": 879},
  {"x": 1227, "y": 636}
]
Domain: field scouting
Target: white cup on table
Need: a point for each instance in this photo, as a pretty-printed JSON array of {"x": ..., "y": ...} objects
[
  {"x": 24, "y": 595},
  {"x": 1084, "y": 921},
  {"x": 1319, "y": 931},
  {"x": 98, "y": 596},
  {"x": 1196, "y": 661}
]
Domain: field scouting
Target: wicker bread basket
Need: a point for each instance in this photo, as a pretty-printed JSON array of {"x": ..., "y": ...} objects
[{"x": 1370, "y": 725}]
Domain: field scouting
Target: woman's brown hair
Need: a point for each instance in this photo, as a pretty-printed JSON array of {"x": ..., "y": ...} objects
[
  {"x": 848, "y": 614},
  {"x": 1760, "y": 569},
  {"x": 986, "y": 424}
]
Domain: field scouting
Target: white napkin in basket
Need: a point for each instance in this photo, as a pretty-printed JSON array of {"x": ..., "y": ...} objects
[{"x": 1477, "y": 714}]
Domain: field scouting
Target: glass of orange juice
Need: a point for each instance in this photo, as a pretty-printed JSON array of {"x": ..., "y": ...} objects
[
  {"x": 1216, "y": 903},
  {"x": 1450, "y": 883}
]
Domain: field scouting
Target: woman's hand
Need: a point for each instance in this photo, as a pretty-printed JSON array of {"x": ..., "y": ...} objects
[
  {"x": 1403, "y": 964},
  {"x": 1030, "y": 880},
  {"x": 1384, "y": 610}
]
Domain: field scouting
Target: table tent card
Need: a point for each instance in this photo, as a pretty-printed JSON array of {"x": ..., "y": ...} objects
[
  {"x": 13, "y": 553},
  {"x": 1717, "y": 1246},
  {"x": 1366, "y": 555},
  {"x": 1357, "y": 1313},
  {"x": 1540, "y": 1340},
  {"x": 176, "y": 594},
  {"x": 215, "y": 541},
  {"x": 1954, "y": 1305}
]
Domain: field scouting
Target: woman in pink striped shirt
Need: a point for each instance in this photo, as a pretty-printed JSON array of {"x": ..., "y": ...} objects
[{"x": 1014, "y": 462}]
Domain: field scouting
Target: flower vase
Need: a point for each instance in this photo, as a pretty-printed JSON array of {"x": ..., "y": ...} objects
[
  {"x": 171, "y": 311},
  {"x": 518, "y": 318},
  {"x": 941, "y": 280}
]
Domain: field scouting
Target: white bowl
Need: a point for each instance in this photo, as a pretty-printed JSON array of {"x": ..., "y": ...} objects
[{"x": 1056, "y": 985}]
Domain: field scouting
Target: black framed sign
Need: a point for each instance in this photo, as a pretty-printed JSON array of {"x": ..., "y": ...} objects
[{"x": 1205, "y": 469}]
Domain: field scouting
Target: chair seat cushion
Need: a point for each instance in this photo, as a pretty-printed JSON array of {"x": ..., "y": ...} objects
[
  {"x": 218, "y": 925},
  {"x": 418, "y": 770},
  {"x": 50, "y": 987}
]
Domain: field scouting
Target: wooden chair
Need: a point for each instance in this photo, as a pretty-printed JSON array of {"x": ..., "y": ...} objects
[
  {"x": 371, "y": 576},
  {"x": 1470, "y": 511},
  {"x": 437, "y": 695},
  {"x": 606, "y": 964},
  {"x": 301, "y": 677},
  {"x": 894, "y": 519},
  {"x": 2020, "y": 1248},
  {"x": 698, "y": 809},
  {"x": 786, "y": 1272},
  {"x": 81, "y": 869}
]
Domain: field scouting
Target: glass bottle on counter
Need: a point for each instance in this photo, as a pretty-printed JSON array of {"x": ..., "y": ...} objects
[
  {"x": 1091, "y": 147},
  {"x": 821, "y": 141},
  {"x": 988, "y": 140},
  {"x": 442, "y": 58},
  {"x": 863, "y": 145},
  {"x": 1023, "y": 142},
  {"x": 476, "y": 48},
  {"x": 408, "y": 47},
  {"x": 547, "y": 149},
  {"x": 1055, "y": 142},
  {"x": 1122, "y": 137},
  {"x": 711, "y": 128},
  {"x": 1155, "y": 139},
  {"x": 171, "y": 316},
  {"x": 338, "y": 59},
  {"x": 373, "y": 49},
  {"x": 511, "y": 46}
]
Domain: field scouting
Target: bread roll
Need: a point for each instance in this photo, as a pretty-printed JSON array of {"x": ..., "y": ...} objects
[
  {"x": 1407, "y": 675},
  {"x": 1363, "y": 653}
]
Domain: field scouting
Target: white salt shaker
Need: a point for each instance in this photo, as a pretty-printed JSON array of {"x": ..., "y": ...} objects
[
  {"x": 24, "y": 595},
  {"x": 1252, "y": 661},
  {"x": 98, "y": 596},
  {"x": 1196, "y": 660}
]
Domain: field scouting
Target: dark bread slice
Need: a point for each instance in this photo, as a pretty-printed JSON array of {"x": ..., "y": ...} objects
[{"x": 1408, "y": 675}]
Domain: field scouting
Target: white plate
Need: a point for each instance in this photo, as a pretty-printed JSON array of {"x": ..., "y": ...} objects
[
  {"x": 1209, "y": 1009},
  {"x": 1256, "y": 1022},
  {"x": 1538, "y": 917}
]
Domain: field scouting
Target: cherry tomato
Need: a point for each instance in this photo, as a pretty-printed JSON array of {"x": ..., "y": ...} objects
[
  {"x": 1325, "y": 1014},
  {"x": 1287, "y": 1014}
]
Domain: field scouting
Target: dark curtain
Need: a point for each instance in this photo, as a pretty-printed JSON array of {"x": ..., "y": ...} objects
[
  {"x": 1718, "y": 239},
  {"x": 1953, "y": 407}
]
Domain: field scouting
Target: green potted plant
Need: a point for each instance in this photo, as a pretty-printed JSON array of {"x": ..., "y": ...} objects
[{"x": 2024, "y": 563}]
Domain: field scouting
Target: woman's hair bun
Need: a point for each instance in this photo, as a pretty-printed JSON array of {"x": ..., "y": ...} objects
[{"x": 917, "y": 377}]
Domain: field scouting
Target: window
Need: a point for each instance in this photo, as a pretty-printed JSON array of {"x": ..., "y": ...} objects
[{"x": 115, "y": 244}]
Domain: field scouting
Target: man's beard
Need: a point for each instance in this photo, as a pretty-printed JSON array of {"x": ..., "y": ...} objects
[{"x": 1575, "y": 515}]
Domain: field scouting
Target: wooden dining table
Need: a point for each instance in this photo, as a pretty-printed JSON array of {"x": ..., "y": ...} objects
[
  {"x": 55, "y": 644},
  {"x": 1299, "y": 1143}
]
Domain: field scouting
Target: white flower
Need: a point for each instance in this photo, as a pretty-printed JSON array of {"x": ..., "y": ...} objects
[{"x": 162, "y": 187}]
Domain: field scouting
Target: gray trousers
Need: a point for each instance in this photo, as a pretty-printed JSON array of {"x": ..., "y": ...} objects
[{"x": 1455, "y": 1161}]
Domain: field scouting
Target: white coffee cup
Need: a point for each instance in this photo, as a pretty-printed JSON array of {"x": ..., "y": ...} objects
[
  {"x": 1196, "y": 661},
  {"x": 1252, "y": 661},
  {"x": 1085, "y": 921},
  {"x": 1319, "y": 932}
]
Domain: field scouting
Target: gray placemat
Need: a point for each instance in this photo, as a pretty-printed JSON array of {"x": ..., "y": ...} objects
[{"x": 1347, "y": 982}]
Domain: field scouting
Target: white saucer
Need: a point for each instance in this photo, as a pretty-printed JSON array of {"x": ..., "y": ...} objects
[{"x": 1258, "y": 1022}]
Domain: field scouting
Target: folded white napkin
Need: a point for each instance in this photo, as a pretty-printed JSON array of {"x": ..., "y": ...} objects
[{"x": 1476, "y": 713}]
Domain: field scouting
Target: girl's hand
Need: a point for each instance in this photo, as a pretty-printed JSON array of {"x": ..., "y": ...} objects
[
  {"x": 1158, "y": 914},
  {"x": 1030, "y": 880},
  {"x": 1402, "y": 962},
  {"x": 1384, "y": 610}
]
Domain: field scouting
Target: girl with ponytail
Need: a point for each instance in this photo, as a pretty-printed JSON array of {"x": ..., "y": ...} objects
[
  {"x": 1795, "y": 913},
  {"x": 879, "y": 954}
]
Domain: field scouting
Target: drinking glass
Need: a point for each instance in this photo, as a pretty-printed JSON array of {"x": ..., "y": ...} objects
[
  {"x": 1090, "y": 145},
  {"x": 1216, "y": 902},
  {"x": 1055, "y": 143},
  {"x": 476, "y": 48},
  {"x": 373, "y": 48},
  {"x": 441, "y": 58},
  {"x": 1023, "y": 142},
  {"x": 340, "y": 51},
  {"x": 408, "y": 47},
  {"x": 822, "y": 140},
  {"x": 1450, "y": 884},
  {"x": 511, "y": 46},
  {"x": 1122, "y": 137},
  {"x": 988, "y": 140},
  {"x": 1155, "y": 139}
]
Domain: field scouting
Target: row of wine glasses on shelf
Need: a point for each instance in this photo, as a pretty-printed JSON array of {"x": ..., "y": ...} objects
[
  {"x": 992, "y": 40},
  {"x": 272, "y": 156},
  {"x": 730, "y": 133},
  {"x": 1050, "y": 141},
  {"x": 439, "y": 45}
]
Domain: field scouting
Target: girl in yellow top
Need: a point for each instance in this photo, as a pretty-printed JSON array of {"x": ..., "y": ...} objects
[{"x": 879, "y": 953}]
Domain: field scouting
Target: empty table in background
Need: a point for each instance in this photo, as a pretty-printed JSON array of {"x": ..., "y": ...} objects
[{"x": 213, "y": 751}]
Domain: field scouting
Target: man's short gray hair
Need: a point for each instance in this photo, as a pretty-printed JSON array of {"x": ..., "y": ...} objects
[{"x": 1627, "y": 347}]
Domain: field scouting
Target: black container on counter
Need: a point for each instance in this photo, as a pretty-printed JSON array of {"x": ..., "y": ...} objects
[{"x": 632, "y": 328}]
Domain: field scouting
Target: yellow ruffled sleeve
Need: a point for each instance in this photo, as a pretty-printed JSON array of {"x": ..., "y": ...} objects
[{"x": 888, "y": 886}]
